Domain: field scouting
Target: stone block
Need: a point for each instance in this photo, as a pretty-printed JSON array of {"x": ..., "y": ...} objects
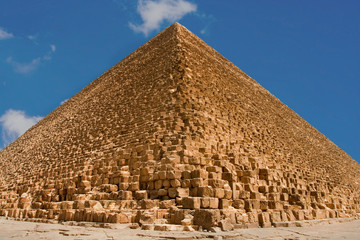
[
  {"x": 172, "y": 192},
  {"x": 191, "y": 202},
  {"x": 197, "y": 182},
  {"x": 275, "y": 216},
  {"x": 149, "y": 204},
  {"x": 264, "y": 205},
  {"x": 199, "y": 173},
  {"x": 226, "y": 225},
  {"x": 252, "y": 204},
  {"x": 239, "y": 204},
  {"x": 225, "y": 203},
  {"x": 182, "y": 192},
  {"x": 166, "y": 204},
  {"x": 206, "y": 218},
  {"x": 205, "y": 191},
  {"x": 264, "y": 219},
  {"x": 219, "y": 193},
  {"x": 141, "y": 194},
  {"x": 162, "y": 192}
]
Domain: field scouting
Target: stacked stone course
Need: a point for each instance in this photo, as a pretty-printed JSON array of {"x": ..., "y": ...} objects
[{"x": 175, "y": 137}]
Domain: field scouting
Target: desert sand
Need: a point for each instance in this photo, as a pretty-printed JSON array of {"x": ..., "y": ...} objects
[{"x": 11, "y": 229}]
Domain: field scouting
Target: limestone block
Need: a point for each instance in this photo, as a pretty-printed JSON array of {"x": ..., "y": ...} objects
[
  {"x": 263, "y": 189},
  {"x": 79, "y": 204},
  {"x": 123, "y": 186},
  {"x": 121, "y": 218},
  {"x": 158, "y": 184},
  {"x": 278, "y": 205},
  {"x": 247, "y": 180},
  {"x": 244, "y": 194},
  {"x": 162, "y": 192},
  {"x": 134, "y": 186},
  {"x": 264, "y": 205},
  {"x": 251, "y": 204},
  {"x": 94, "y": 205},
  {"x": 141, "y": 194},
  {"x": 199, "y": 173},
  {"x": 206, "y": 191},
  {"x": 186, "y": 183},
  {"x": 197, "y": 182},
  {"x": 173, "y": 175},
  {"x": 162, "y": 175},
  {"x": 206, "y": 218},
  {"x": 191, "y": 202},
  {"x": 145, "y": 217},
  {"x": 108, "y": 188},
  {"x": 228, "y": 194},
  {"x": 264, "y": 219},
  {"x": 175, "y": 183},
  {"x": 182, "y": 192},
  {"x": 225, "y": 203},
  {"x": 186, "y": 175},
  {"x": 166, "y": 204},
  {"x": 239, "y": 204},
  {"x": 319, "y": 213},
  {"x": 253, "y": 217},
  {"x": 275, "y": 216},
  {"x": 226, "y": 225},
  {"x": 205, "y": 202},
  {"x": 149, "y": 204},
  {"x": 166, "y": 183},
  {"x": 85, "y": 184},
  {"x": 289, "y": 215},
  {"x": 172, "y": 192},
  {"x": 284, "y": 197},
  {"x": 219, "y": 193},
  {"x": 299, "y": 215}
]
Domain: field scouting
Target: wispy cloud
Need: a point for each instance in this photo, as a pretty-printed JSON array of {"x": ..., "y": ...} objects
[
  {"x": 24, "y": 68},
  {"x": 27, "y": 67},
  {"x": 32, "y": 37},
  {"x": 53, "y": 47},
  {"x": 5, "y": 35},
  {"x": 63, "y": 101},
  {"x": 154, "y": 13},
  {"x": 14, "y": 123}
]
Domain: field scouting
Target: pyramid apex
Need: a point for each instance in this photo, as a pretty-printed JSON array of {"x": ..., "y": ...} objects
[{"x": 177, "y": 26}]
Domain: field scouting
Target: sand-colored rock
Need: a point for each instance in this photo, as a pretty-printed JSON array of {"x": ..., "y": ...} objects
[{"x": 171, "y": 134}]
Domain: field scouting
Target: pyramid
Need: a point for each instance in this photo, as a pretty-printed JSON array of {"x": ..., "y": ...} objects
[{"x": 175, "y": 136}]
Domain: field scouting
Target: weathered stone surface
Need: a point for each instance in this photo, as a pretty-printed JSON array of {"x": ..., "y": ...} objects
[
  {"x": 206, "y": 218},
  {"x": 175, "y": 133}
]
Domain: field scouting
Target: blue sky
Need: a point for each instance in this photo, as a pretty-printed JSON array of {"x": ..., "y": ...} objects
[{"x": 307, "y": 53}]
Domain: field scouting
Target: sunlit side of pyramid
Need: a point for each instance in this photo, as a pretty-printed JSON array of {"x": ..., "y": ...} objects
[{"x": 176, "y": 134}]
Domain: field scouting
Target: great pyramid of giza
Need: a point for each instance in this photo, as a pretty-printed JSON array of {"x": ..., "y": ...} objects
[{"x": 176, "y": 135}]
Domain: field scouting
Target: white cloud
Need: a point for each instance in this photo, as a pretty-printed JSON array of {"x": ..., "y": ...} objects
[
  {"x": 5, "y": 35},
  {"x": 155, "y": 12},
  {"x": 62, "y": 102},
  {"x": 53, "y": 47},
  {"x": 24, "y": 68},
  {"x": 28, "y": 67},
  {"x": 14, "y": 123},
  {"x": 32, "y": 37}
]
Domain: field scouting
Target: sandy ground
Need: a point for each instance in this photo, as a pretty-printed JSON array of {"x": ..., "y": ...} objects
[{"x": 10, "y": 229}]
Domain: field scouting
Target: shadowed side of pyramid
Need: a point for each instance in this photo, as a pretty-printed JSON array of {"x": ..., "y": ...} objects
[{"x": 175, "y": 133}]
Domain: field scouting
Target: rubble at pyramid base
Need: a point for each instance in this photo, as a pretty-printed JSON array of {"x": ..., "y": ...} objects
[{"x": 216, "y": 203}]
